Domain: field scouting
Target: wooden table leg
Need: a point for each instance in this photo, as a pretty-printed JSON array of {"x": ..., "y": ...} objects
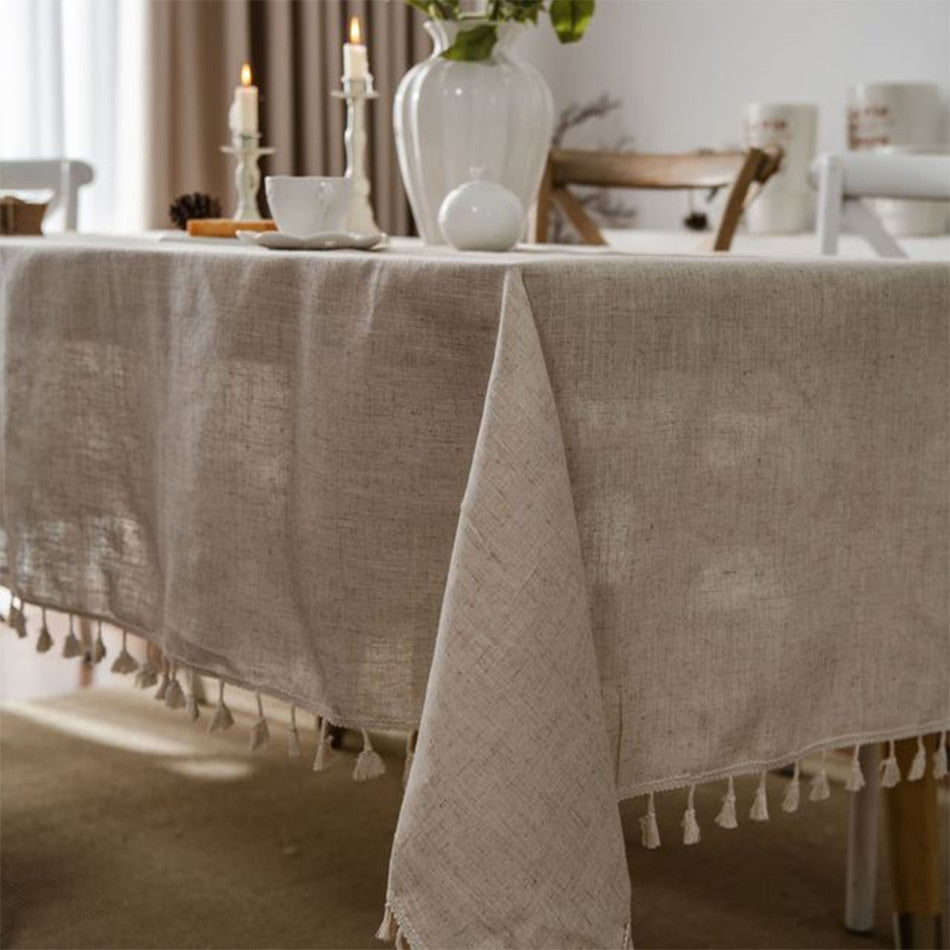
[{"x": 912, "y": 836}]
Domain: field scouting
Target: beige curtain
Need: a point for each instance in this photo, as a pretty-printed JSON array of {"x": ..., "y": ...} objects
[{"x": 196, "y": 48}]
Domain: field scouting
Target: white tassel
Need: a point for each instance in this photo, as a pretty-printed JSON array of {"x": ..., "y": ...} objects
[
  {"x": 855, "y": 781},
  {"x": 72, "y": 645},
  {"x": 44, "y": 641},
  {"x": 324, "y": 754},
  {"x": 293, "y": 737},
  {"x": 411, "y": 741},
  {"x": 387, "y": 929},
  {"x": 260, "y": 732},
  {"x": 940, "y": 757},
  {"x": 690, "y": 825},
  {"x": 369, "y": 763},
  {"x": 649, "y": 829},
  {"x": 792, "y": 791},
  {"x": 919, "y": 766},
  {"x": 727, "y": 814},
  {"x": 760, "y": 804},
  {"x": 17, "y": 618},
  {"x": 147, "y": 675},
  {"x": 98, "y": 648},
  {"x": 819, "y": 783},
  {"x": 890, "y": 770},
  {"x": 124, "y": 662},
  {"x": 175, "y": 695},
  {"x": 222, "y": 718},
  {"x": 164, "y": 684}
]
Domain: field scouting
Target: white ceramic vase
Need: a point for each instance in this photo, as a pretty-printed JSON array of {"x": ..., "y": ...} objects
[{"x": 455, "y": 121}]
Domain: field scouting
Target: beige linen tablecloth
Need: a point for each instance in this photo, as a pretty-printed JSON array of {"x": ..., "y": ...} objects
[{"x": 672, "y": 518}]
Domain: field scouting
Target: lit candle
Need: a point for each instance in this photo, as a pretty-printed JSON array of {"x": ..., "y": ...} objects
[
  {"x": 243, "y": 115},
  {"x": 355, "y": 60}
]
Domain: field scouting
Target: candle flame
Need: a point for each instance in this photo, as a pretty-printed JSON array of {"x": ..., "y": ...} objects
[
  {"x": 356, "y": 30},
  {"x": 246, "y": 74}
]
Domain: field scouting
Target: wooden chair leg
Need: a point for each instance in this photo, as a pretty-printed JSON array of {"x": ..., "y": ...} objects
[
  {"x": 912, "y": 836},
  {"x": 542, "y": 207},
  {"x": 861, "y": 880}
]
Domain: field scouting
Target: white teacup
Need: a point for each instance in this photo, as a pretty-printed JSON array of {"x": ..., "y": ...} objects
[{"x": 308, "y": 204}]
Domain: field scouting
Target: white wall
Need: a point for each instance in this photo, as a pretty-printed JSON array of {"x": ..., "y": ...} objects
[{"x": 684, "y": 68}]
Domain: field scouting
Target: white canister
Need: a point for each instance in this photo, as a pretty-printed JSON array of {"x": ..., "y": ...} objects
[
  {"x": 906, "y": 117},
  {"x": 787, "y": 202}
]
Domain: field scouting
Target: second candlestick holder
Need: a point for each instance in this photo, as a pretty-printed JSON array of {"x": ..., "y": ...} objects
[
  {"x": 247, "y": 176},
  {"x": 356, "y": 91}
]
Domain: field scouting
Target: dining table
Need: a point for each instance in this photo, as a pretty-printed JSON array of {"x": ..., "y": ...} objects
[{"x": 585, "y": 525}]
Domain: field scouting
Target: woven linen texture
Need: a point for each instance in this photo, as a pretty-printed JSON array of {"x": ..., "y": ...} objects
[{"x": 705, "y": 526}]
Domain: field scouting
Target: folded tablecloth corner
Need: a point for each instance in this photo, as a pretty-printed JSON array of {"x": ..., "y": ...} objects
[{"x": 513, "y": 712}]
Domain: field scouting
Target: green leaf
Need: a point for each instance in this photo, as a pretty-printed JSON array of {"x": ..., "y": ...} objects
[
  {"x": 570, "y": 18},
  {"x": 473, "y": 45},
  {"x": 520, "y": 11}
]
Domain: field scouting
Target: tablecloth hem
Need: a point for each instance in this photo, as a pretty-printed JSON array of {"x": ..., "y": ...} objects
[
  {"x": 397, "y": 930},
  {"x": 229, "y": 679},
  {"x": 753, "y": 768}
]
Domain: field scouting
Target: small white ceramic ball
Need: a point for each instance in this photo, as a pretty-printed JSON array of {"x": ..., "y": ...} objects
[{"x": 481, "y": 216}]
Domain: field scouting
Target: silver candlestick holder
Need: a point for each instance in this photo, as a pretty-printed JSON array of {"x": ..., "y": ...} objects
[
  {"x": 356, "y": 91},
  {"x": 247, "y": 176}
]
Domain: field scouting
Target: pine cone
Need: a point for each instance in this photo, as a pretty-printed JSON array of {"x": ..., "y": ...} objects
[{"x": 195, "y": 205}]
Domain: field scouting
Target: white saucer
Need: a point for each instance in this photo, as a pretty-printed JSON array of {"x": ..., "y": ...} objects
[{"x": 324, "y": 241}]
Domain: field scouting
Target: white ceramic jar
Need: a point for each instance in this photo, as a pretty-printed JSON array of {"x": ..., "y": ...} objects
[
  {"x": 787, "y": 203},
  {"x": 900, "y": 117},
  {"x": 449, "y": 117},
  {"x": 481, "y": 216}
]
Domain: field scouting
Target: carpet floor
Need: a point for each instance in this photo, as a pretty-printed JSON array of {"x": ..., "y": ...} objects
[{"x": 124, "y": 826}]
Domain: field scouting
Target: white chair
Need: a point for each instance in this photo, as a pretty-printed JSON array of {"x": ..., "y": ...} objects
[
  {"x": 844, "y": 180},
  {"x": 63, "y": 176}
]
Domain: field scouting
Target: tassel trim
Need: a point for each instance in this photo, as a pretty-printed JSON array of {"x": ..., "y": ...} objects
[
  {"x": 727, "y": 814},
  {"x": 72, "y": 645},
  {"x": 164, "y": 684},
  {"x": 691, "y": 833},
  {"x": 260, "y": 732},
  {"x": 855, "y": 781},
  {"x": 147, "y": 675},
  {"x": 222, "y": 718},
  {"x": 17, "y": 617},
  {"x": 820, "y": 790},
  {"x": 98, "y": 648},
  {"x": 890, "y": 770},
  {"x": 388, "y": 927},
  {"x": 175, "y": 695},
  {"x": 919, "y": 766},
  {"x": 793, "y": 790},
  {"x": 649, "y": 829},
  {"x": 124, "y": 662},
  {"x": 369, "y": 763},
  {"x": 760, "y": 804},
  {"x": 44, "y": 641},
  {"x": 940, "y": 757}
]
